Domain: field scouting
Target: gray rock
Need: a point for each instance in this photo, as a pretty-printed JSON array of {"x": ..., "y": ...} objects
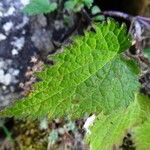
[
  {"x": 21, "y": 38},
  {"x": 18, "y": 43}
]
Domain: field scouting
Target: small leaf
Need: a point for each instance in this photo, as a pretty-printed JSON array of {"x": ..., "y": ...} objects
[
  {"x": 40, "y": 6},
  {"x": 95, "y": 10},
  {"x": 88, "y": 3},
  {"x": 70, "y": 5},
  {"x": 77, "y": 5}
]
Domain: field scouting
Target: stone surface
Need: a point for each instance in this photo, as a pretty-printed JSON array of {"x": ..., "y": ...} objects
[
  {"x": 21, "y": 38},
  {"x": 16, "y": 49}
]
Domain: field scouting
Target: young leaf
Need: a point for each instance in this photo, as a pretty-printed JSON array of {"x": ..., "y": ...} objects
[
  {"x": 77, "y": 5},
  {"x": 109, "y": 130},
  {"x": 88, "y": 77},
  {"x": 95, "y": 9},
  {"x": 40, "y": 6}
]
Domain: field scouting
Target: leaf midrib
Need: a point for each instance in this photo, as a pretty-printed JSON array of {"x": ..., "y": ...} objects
[{"x": 69, "y": 87}]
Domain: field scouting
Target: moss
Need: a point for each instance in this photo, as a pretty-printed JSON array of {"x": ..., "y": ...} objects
[{"x": 28, "y": 136}]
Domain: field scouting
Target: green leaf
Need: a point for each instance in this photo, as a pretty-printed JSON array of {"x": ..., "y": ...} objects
[
  {"x": 147, "y": 53},
  {"x": 95, "y": 10},
  {"x": 40, "y": 6},
  {"x": 88, "y": 3},
  {"x": 142, "y": 136},
  {"x": 88, "y": 77},
  {"x": 77, "y": 5},
  {"x": 109, "y": 130},
  {"x": 141, "y": 133},
  {"x": 70, "y": 5}
]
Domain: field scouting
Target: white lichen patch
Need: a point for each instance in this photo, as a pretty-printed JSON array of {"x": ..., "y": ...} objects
[
  {"x": 14, "y": 52},
  {"x": 43, "y": 124},
  {"x": 1, "y": 14},
  {"x": 8, "y": 75},
  {"x": 7, "y": 26},
  {"x": 10, "y": 11},
  {"x": 5, "y": 78},
  {"x": 2, "y": 37},
  {"x": 1, "y": 72},
  {"x": 18, "y": 43},
  {"x": 15, "y": 72}
]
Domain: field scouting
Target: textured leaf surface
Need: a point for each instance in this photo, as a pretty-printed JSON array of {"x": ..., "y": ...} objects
[
  {"x": 142, "y": 136},
  {"x": 40, "y": 6},
  {"x": 108, "y": 131},
  {"x": 141, "y": 133},
  {"x": 89, "y": 76}
]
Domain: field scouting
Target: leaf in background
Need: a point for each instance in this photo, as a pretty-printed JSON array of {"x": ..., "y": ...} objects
[
  {"x": 147, "y": 53},
  {"x": 70, "y": 5},
  {"x": 109, "y": 130},
  {"x": 88, "y": 3},
  {"x": 77, "y": 5},
  {"x": 89, "y": 76},
  {"x": 95, "y": 10},
  {"x": 40, "y": 6}
]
